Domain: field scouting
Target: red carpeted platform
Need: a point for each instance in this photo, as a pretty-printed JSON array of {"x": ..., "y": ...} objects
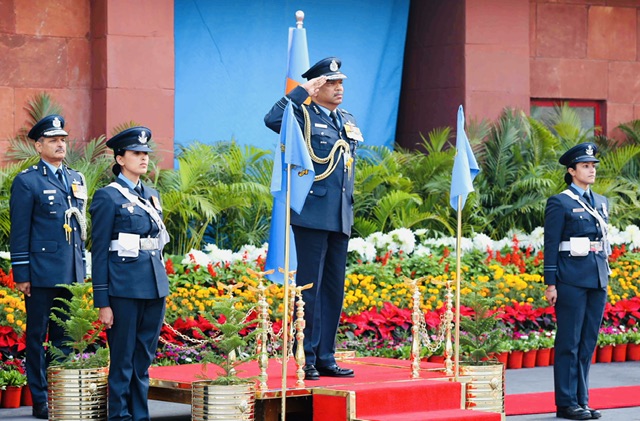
[
  {"x": 381, "y": 390},
  {"x": 543, "y": 403}
]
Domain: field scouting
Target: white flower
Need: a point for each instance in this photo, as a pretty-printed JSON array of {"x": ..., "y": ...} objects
[
  {"x": 482, "y": 242},
  {"x": 364, "y": 249},
  {"x": 632, "y": 236},
  {"x": 5, "y": 255},
  {"x": 197, "y": 257},
  {"x": 535, "y": 239},
  {"x": 218, "y": 255},
  {"x": 422, "y": 250},
  {"x": 380, "y": 241},
  {"x": 403, "y": 240}
]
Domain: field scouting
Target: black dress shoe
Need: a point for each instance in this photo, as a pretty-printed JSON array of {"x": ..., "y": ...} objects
[
  {"x": 595, "y": 414},
  {"x": 310, "y": 372},
  {"x": 335, "y": 371},
  {"x": 573, "y": 413},
  {"x": 40, "y": 410}
]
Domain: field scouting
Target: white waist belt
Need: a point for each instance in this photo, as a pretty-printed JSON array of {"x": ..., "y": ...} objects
[
  {"x": 594, "y": 246},
  {"x": 145, "y": 244}
]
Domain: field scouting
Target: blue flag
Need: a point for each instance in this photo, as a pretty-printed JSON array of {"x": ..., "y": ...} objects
[
  {"x": 465, "y": 167},
  {"x": 302, "y": 175}
]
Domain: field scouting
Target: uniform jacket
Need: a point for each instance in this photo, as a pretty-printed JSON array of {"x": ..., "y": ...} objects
[
  {"x": 329, "y": 205},
  {"x": 141, "y": 277},
  {"x": 40, "y": 251},
  {"x": 565, "y": 218}
]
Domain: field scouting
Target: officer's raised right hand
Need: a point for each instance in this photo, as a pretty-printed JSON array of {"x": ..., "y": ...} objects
[{"x": 312, "y": 86}]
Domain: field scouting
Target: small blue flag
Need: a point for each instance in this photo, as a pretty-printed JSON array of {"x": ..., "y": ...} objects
[
  {"x": 302, "y": 177},
  {"x": 465, "y": 167}
]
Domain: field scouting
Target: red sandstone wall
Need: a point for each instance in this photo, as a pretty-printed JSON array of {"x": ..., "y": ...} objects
[
  {"x": 106, "y": 62},
  {"x": 44, "y": 46},
  {"x": 588, "y": 49}
]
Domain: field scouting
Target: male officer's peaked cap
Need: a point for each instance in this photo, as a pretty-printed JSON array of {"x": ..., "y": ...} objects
[
  {"x": 133, "y": 139},
  {"x": 584, "y": 152},
  {"x": 50, "y": 126},
  {"x": 329, "y": 67}
]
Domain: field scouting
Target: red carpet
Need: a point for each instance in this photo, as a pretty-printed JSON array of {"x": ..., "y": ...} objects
[
  {"x": 380, "y": 391},
  {"x": 542, "y": 403}
]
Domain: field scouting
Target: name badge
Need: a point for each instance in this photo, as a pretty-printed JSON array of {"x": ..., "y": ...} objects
[
  {"x": 575, "y": 210},
  {"x": 128, "y": 205},
  {"x": 320, "y": 125},
  {"x": 79, "y": 191},
  {"x": 49, "y": 191}
]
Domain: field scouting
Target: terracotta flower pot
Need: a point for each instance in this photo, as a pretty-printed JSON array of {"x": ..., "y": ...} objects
[
  {"x": 543, "y": 357},
  {"x": 604, "y": 353},
  {"x": 633, "y": 352},
  {"x": 619, "y": 354},
  {"x": 552, "y": 356},
  {"x": 503, "y": 358},
  {"x": 11, "y": 397},
  {"x": 436, "y": 359},
  {"x": 594, "y": 357},
  {"x": 515, "y": 359},
  {"x": 529, "y": 358},
  {"x": 26, "y": 399}
]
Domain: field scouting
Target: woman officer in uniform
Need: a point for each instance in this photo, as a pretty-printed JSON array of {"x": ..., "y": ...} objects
[
  {"x": 576, "y": 273},
  {"x": 129, "y": 279}
]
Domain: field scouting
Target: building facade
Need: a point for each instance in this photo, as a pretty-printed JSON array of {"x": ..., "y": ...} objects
[{"x": 112, "y": 61}]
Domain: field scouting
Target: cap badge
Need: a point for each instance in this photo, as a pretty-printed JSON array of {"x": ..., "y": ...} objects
[
  {"x": 56, "y": 123},
  {"x": 333, "y": 66},
  {"x": 143, "y": 137},
  {"x": 589, "y": 150}
]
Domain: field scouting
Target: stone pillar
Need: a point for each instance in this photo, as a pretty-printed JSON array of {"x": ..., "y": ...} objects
[{"x": 133, "y": 69}]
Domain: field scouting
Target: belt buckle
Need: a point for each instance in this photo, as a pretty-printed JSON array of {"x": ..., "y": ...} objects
[{"x": 147, "y": 243}]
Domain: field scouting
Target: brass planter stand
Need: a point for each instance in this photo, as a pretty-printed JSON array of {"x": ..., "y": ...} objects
[
  {"x": 228, "y": 403},
  {"x": 77, "y": 394},
  {"x": 484, "y": 387}
]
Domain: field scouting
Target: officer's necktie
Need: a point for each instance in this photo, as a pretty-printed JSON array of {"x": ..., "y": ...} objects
[
  {"x": 61, "y": 177},
  {"x": 587, "y": 197},
  {"x": 138, "y": 189},
  {"x": 334, "y": 117}
]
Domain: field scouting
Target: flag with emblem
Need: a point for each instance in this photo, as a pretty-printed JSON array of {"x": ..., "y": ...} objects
[
  {"x": 291, "y": 149},
  {"x": 465, "y": 167}
]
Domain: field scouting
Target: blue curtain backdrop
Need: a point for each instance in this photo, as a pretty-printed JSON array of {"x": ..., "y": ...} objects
[{"x": 231, "y": 59}]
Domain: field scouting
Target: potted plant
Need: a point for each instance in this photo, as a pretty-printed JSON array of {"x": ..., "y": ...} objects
[
  {"x": 224, "y": 393},
  {"x": 481, "y": 338},
  {"x": 78, "y": 378},
  {"x": 12, "y": 380},
  {"x": 633, "y": 345}
]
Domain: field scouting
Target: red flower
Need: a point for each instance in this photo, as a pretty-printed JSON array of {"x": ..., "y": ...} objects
[{"x": 168, "y": 267}]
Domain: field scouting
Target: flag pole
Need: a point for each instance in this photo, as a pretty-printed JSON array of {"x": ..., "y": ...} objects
[
  {"x": 456, "y": 359},
  {"x": 285, "y": 316}
]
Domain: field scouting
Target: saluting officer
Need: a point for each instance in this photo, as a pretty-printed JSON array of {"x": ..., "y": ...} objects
[
  {"x": 323, "y": 227},
  {"x": 576, "y": 273},
  {"x": 48, "y": 228},
  {"x": 129, "y": 279}
]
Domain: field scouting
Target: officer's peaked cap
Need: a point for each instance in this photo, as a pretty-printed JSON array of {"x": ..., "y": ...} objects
[
  {"x": 50, "y": 126},
  {"x": 584, "y": 152},
  {"x": 329, "y": 67},
  {"x": 133, "y": 139}
]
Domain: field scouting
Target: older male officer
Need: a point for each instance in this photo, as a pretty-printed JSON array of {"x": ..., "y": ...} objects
[
  {"x": 576, "y": 273},
  {"x": 323, "y": 227},
  {"x": 48, "y": 228}
]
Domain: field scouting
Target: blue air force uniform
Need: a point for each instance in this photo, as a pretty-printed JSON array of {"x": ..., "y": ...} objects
[
  {"x": 129, "y": 277},
  {"x": 44, "y": 252},
  {"x": 323, "y": 227},
  {"x": 580, "y": 273}
]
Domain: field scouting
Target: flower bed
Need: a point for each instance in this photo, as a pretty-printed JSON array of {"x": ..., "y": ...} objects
[{"x": 376, "y": 319}]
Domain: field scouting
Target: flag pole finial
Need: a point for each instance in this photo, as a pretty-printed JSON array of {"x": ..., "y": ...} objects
[{"x": 299, "y": 19}]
